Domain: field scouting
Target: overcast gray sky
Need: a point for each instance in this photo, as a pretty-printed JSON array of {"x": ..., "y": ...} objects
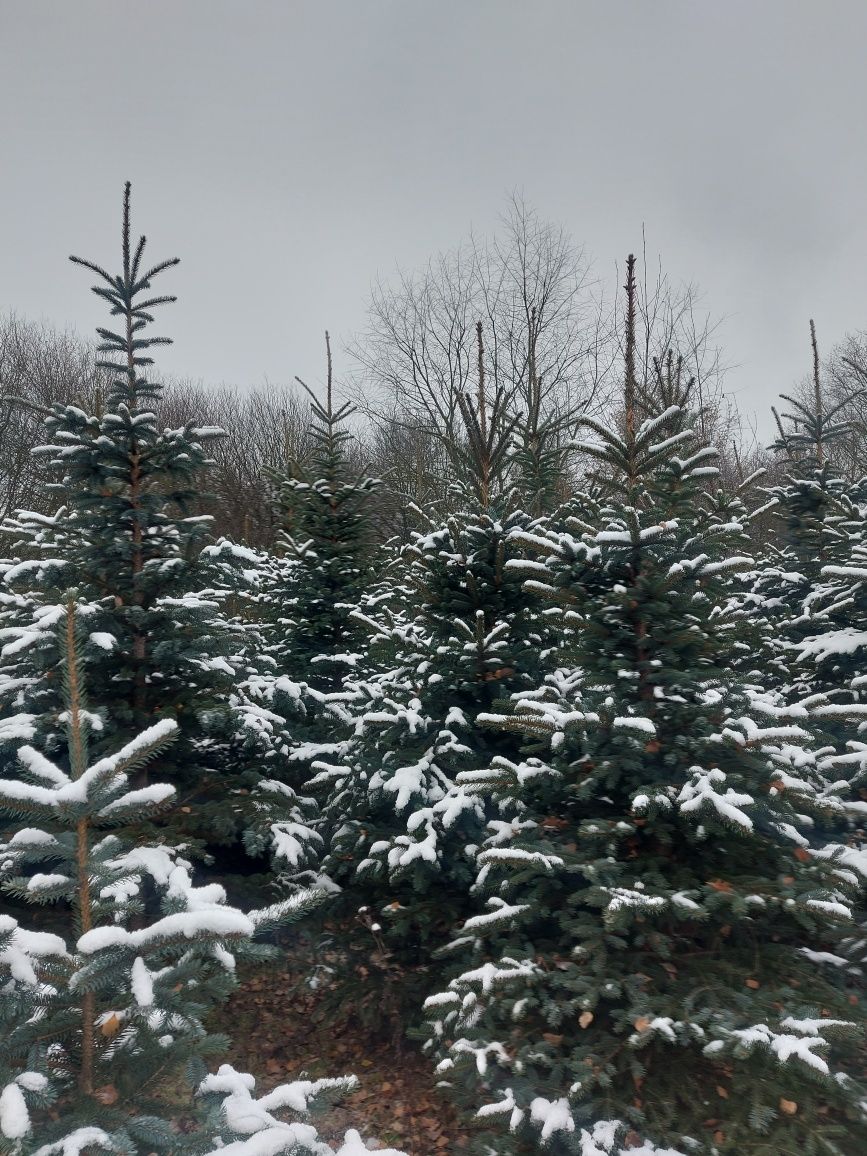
[{"x": 291, "y": 152}]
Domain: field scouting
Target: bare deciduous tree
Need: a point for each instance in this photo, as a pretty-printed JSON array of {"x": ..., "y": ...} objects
[
  {"x": 417, "y": 358},
  {"x": 38, "y": 365},
  {"x": 552, "y": 351},
  {"x": 264, "y": 427}
]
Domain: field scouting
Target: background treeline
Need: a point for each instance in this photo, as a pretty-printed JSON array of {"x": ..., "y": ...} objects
[
  {"x": 536, "y": 295},
  {"x": 509, "y": 671}
]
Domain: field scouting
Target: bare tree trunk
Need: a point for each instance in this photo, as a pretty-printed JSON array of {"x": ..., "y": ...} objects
[
  {"x": 817, "y": 396},
  {"x": 78, "y": 765}
]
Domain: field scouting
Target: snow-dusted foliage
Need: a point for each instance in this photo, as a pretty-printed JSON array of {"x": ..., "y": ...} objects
[
  {"x": 565, "y": 758},
  {"x": 449, "y": 631},
  {"x": 308, "y": 640},
  {"x": 100, "y": 1021},
  {"x": 246, "y": 1125},
  {"x": 807, "y": 599},
  {"x": 819, "y": 518},
  {"x": 325, "y": 509},
  {"x": 160, "y": 642},
  {"x": 454, "y": 633},
  {"x": 644, "y": 975}
]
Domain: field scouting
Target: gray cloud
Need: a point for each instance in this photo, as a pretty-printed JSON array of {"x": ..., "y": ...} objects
[{"x": 291, "y": 152}]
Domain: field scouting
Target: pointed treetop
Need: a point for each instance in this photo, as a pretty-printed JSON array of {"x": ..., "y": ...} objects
[
  {"x": 629, "y": 385},
  {"x": 330, "y": 372},
  {"x": 804, "y": 435},
  {"x": 326, "y": 413},
  {"x": 123, "y": 293},
  {"x": 130, "y": 281},
  {"x": 817, "y": 393}
]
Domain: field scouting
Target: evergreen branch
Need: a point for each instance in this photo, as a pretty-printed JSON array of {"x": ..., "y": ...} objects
[
  {"x": 145, "y": 281},
  {"x": 100, "y": 272}
]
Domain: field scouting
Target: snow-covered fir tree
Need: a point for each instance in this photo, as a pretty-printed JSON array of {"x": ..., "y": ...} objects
[
  {"x": 451, "y": 632},
  {"x": 826, "y": 650},
  {"x": 103, "y": 1018},
  {"x": 326, "y": 517},
  {"x": 817, "y": 516},
  {"x": 832, "y": 659},
  {"x": 824, "y": 534},
  {"x": 160, "y": 644},
  {"x": 307, "y": 591},
  {"x": 654, "y": 970}
]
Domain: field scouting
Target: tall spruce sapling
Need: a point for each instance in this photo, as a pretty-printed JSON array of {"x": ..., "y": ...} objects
[
  {"x": 817, "y": 513},
  {"x": 832, "y": 614},
  {"x": 325, "y": 510},
  {"x": 103, "y": 1018},
  {"x": 308, "y": 592},
  {"x": 654, "y": 971},
  {"x": 726, "y": 503},
  {"x": 160, "y": 644},
  {"x": 454, "y": 634},
  {"x": 829, "y": 657}
]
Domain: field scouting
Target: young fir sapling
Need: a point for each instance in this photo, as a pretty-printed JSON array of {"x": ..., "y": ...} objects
[
  {"x": 128, "y": 539},
  {"x": 103, "y": 1018}
]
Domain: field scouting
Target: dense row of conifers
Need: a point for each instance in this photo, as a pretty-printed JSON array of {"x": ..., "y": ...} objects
[{"x": 571, "y": 778}]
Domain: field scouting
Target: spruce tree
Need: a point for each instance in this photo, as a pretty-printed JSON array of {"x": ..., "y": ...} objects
[
  {"x": 451, "y": 632},
  {"x": 102, "y": 1020},
  {"x": 652, "y": 971},
  {"x": 160, "y": 644},
  {"x": 817, "y": 516},
  {"x": 308, "y": 590},
  {"x": 828, "y": 652},
  {"x": 325, "y": 510}
]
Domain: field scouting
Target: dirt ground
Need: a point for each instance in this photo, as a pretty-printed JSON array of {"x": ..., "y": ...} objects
[{"x": 396, "y": 1104}]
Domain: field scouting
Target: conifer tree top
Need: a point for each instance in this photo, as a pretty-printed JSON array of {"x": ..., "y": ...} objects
[{"x": 124, "y": 354}]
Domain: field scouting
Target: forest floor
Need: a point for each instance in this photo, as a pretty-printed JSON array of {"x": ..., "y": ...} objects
[{"x": 282, "y": 1029}]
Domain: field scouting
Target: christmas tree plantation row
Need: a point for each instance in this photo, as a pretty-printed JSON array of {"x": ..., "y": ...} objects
[{"x": 570, "y": 786}]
